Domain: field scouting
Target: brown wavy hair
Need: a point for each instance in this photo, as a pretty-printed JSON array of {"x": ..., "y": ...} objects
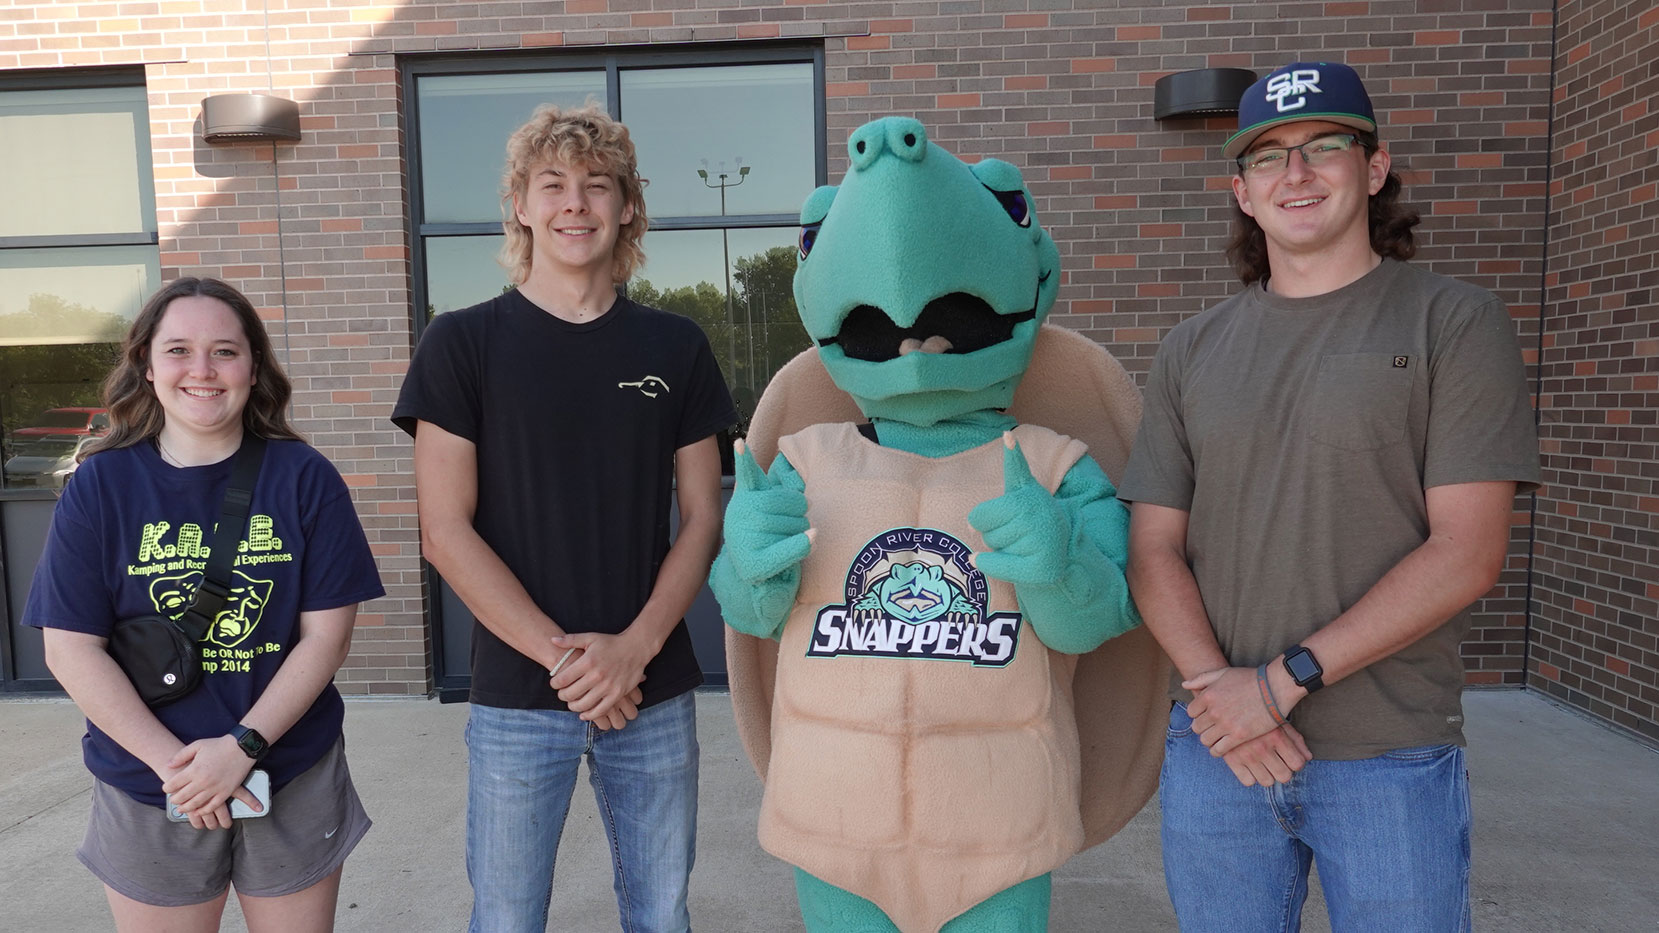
[
  {"x": 136, "y": 415},
  {"x": 1390, "y": 223},
  {"x": 585, "y": 136}
]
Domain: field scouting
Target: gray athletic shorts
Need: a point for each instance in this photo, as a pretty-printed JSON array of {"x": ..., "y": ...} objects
[{"x": 314, "y": 823}]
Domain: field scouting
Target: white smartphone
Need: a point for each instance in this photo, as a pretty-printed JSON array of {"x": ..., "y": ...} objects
[{"x": 259, "y": 782}]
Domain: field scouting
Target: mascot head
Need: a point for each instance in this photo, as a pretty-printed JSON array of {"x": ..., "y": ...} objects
[{"x": 923, "y": 280}]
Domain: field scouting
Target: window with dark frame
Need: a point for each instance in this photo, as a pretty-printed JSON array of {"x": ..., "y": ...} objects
[
  {"x": 730, "y": 142},
  {"x": 79, "y": 255}
]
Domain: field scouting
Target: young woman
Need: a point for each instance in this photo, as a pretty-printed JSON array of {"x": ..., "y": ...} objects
[{"x": 130, "y": 537}]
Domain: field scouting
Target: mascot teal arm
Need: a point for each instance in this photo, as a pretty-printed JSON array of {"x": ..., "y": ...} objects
[
  {"x": 1064, "y": 552},
  {"x": 758, "y": 571}
]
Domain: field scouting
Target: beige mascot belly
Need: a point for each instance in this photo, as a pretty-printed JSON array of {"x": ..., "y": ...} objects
[{"x": 925, "y": 784}]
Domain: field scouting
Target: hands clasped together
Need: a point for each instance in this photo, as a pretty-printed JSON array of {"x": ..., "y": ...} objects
[
  {"x": 202, "y": 777},
  {"x": 600, "y": 675},
  {"x": 1231, "y": 717}
]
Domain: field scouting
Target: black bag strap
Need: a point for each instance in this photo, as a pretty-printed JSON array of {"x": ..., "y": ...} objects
[{"x": 214, "y": 590}]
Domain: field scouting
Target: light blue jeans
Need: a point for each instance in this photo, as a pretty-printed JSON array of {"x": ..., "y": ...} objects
[
  {"x": 521, "y": 770},
  {"x": 1390, "y": 834}
]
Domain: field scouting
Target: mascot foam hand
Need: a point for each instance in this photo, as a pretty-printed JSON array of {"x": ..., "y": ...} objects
[
  {"x": 1054, "y": 549},
  {"x": 758, "y": 572},
  {"x": 1026, "y": 528}
]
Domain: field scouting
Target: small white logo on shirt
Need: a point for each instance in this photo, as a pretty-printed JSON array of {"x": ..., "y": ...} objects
[
  {"x": 650, "y": 386},
  {"x": 1297, "y": 84},
  {"x": 330, "y": 833}
]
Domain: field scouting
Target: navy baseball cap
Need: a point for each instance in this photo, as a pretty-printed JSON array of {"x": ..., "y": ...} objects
[{"x": 1327, "y": 91}]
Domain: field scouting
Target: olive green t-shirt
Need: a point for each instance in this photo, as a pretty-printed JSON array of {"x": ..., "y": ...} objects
[{"x": 1300, "y": 435}]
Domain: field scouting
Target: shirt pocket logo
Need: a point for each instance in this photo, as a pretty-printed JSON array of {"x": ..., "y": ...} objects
[
  {"x": 649, "y": 386},
  {"x": 1361, "y": 400}
]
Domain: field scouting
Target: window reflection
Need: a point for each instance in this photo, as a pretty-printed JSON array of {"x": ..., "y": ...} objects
[
  {"x": 464, "y": 124},
  {"x": 63, "y": 313},
  {"x": 756, "y": 330},
  {"x": 73, "y": 295},
  {"x": 84, "y": 167},
  {"x": 461, "y": 271},
  {"x": 686, "y": 119}
]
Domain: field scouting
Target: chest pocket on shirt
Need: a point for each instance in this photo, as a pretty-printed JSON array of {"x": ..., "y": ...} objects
[{"x": 1361, "y": 400}]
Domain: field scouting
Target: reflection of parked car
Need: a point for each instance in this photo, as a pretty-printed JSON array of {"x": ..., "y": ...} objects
[
  {"x": 93, "y": 421},
  {"x": 44, "y": 460}
]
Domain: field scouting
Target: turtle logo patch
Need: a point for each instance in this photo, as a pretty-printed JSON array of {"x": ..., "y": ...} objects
[{"x": 911, "y": 593}]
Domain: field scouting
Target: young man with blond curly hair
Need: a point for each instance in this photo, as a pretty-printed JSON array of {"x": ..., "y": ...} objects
[{"x": 551, "y": 424}]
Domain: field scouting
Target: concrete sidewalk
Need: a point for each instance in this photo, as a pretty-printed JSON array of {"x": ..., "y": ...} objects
[{"x": 1566, "y": 832}]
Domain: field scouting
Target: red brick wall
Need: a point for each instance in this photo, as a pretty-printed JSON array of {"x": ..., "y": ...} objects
[
  {"x": 1062, "y": 88},
  {"x": 1596, "y": 578}
]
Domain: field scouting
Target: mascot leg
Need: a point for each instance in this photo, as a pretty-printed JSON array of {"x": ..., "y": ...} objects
[
  {"x": 828, "y": 909},
  {"x": 1022, "y": 908}
]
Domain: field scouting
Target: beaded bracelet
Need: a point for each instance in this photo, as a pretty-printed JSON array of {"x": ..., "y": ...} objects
[{"x": 1267, "y": 696}]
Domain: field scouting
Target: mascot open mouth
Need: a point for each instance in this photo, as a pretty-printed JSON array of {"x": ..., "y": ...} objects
[{"x": 953, "y": 323}]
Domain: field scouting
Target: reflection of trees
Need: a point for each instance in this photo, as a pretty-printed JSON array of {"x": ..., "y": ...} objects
[
  {"x": 766, "y": 329},
  {"x": 36, "y": 377},
  {"x": 51, "y": 318}
]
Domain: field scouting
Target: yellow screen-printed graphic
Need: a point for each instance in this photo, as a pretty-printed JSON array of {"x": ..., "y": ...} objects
[
  {"x": 178, "y": 566},
  {"x": 242, "y": 612}
]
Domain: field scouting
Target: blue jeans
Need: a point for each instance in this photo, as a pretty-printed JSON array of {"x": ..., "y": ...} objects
[
  {"x": 521, "y": 769},
  {"x": 1390, "y": 833}
]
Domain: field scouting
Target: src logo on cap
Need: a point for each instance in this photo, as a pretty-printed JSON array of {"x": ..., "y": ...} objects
[{"x": 1293, "y": 84}]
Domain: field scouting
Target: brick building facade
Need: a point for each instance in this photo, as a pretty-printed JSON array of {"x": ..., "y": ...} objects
[
  {"x": 1595, "y": 581},
  {"x": 1526, "y": 135}
]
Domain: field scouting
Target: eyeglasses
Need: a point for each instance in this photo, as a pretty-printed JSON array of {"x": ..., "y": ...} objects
[{"x": 1315, "y": 152}]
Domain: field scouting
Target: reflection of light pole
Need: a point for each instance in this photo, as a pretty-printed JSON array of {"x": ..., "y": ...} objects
[
  {"x": 725, "y": 247},
  {"x": 765, "y": 334}
]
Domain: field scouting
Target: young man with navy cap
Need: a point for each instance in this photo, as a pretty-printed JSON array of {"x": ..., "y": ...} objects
[{"x": 1322, "y": 485}]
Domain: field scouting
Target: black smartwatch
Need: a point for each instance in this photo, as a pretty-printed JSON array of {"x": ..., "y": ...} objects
[
  {"x": 250, "y": 741},
  {"x": 1302, "y": 668}
]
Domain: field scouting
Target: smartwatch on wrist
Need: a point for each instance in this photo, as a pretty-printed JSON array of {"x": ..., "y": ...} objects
[
  {"x": 1302, "y": 668},
  {"x": 250, "y": 741}
]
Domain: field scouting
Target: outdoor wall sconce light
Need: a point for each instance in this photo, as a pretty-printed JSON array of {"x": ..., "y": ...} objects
[
  {"x": 1204, "y": 92},
  {"x": 254, "y": 117}
]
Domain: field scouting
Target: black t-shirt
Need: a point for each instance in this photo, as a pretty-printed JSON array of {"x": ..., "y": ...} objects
[{"x": 576, "y": 427}]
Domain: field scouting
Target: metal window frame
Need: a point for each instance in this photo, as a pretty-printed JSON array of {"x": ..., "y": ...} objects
[{"x": 452, "y": 686}]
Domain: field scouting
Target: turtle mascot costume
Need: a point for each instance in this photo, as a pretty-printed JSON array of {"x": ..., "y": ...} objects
[{"x": 936, "y": 667}]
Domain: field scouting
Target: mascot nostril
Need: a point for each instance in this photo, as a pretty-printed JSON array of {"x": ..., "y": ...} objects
[{"x": 930, "y": 484}]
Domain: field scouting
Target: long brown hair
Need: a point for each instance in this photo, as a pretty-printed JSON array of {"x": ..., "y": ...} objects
[
  {"x": 135, "y": 414},
  {"x": 585, "y": 136},
  {"x": 1389, "y": 220}
]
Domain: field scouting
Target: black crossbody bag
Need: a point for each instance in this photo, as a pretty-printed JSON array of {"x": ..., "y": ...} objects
[{"x": 163, "y": 657}]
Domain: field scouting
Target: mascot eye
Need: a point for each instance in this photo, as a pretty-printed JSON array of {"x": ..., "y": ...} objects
[
  {"x": 809, "y": 236},
  {"x": 1014, "y": 203}
]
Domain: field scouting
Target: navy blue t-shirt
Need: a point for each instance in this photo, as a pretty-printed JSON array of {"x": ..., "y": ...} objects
[{"x": 131, "y": 536}]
